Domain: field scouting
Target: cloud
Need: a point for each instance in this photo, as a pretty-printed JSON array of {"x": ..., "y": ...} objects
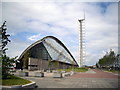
[
  {"x": 16, "y": 47},
  {"x": 60, "y": 19},
  {"x": 34, "y": 37}
]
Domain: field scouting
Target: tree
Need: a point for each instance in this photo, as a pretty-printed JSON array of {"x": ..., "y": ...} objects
[
  {"x": 56, "y": 64},
  {"x": 7, "y": 62},
  {"x": 25, "y": 59},
  {"x": 4, "y": 39},
  {"x": 49, "y": 64},
  {"x": 73, "y": 65},
  {"x": 108, "y": 59}
]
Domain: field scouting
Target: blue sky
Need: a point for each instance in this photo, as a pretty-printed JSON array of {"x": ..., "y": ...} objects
[{"x": 28, "y": 22}]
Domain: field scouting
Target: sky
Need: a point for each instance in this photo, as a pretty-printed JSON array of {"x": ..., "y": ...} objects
[{"x": 28, "y": 22}]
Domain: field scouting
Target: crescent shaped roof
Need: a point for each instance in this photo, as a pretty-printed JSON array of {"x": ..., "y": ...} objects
[{"x": 43, "y": 39}]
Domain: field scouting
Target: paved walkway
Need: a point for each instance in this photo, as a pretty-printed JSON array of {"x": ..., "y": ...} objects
[
  {"x": 98, "y": 74},
  {"x": 91, "y": 79},
  {"x": 49, "y": 82}
]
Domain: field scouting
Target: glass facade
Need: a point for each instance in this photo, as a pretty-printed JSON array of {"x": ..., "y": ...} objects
[
  {"x": 57, "y": 51},
  {"x": 40, "y": 52}
]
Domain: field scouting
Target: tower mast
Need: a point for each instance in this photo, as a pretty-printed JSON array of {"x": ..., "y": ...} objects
[{"x": 81, "y": 41}]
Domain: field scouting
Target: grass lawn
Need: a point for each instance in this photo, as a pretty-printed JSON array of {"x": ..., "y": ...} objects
[
  {"x": 13, "y": 80},
  {"x": 113, "y": 71},
  {"x": 74, "y": 69}
]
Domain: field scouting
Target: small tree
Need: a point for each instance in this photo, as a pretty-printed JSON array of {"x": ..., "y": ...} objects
[
  {"x": 49, "y": 64},
  {"x": 73, "y": 65},
  {"x": 7, "y": 62},
  {"x": 25, "y": 59},
  {"x": 56, "y": 65}
]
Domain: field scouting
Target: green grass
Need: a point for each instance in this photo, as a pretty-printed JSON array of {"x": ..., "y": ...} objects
[
  {"x": 13, "y": 80},
  {"x": 113, "y": 71},
  {"x": 74, "y": 69}
]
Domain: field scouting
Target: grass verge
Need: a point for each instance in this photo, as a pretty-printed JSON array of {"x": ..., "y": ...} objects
[
  {"x": 113, "y": 71},
  {"x": 74, "y": 69},
  {"x": 13, "y": 80}
]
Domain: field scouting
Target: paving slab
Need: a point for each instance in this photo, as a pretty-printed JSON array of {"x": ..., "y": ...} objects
[
  {"x": 49, "y": 82},
  {"x": 91, "y": 79},
  {"x": 98, "y": 74}
]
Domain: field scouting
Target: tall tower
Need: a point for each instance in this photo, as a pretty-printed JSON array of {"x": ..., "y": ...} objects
[{"x": 82, "y": 42}]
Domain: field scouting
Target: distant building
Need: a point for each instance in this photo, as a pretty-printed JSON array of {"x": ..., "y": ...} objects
[{"x": 47, "y": 53}]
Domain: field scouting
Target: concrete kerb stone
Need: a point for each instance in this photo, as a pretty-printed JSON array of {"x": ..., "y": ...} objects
[
  {"x": 63, "y": 74},
  {"x": 23, "y": 73},
  {"x": 39, "y": 74},
  {"x": 29, "y": 85},
  {"x": 14, "y": 86},
  {"x": 48, "y": 74},
  {"x": 57, "y": 75},
  {"x": 67, "y": 74}
]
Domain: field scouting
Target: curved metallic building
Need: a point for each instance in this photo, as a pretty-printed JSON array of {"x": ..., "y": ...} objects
[{"x": 48, "y": 49}]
